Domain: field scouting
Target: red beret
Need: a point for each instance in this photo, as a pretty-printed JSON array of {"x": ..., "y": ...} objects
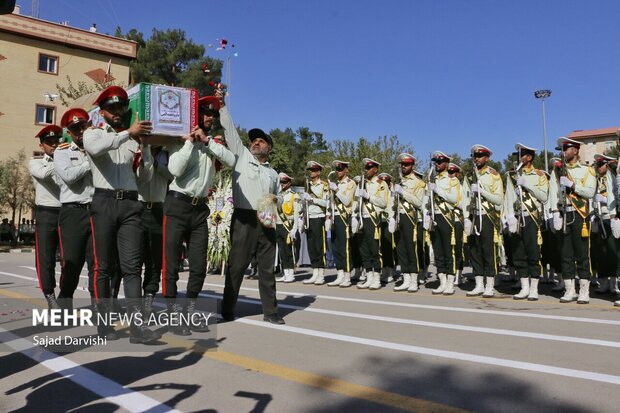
[
  {"x": 112, "y": 94},
  {"x": 50, "y": 131},
  {"x": 209, "y": 102},
  {"x": 73, "y": 116}
]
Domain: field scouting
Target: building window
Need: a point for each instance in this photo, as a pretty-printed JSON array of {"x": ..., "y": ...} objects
[
  {"x": 45, "y": 115},
  {"x": 48, "y": 64}
]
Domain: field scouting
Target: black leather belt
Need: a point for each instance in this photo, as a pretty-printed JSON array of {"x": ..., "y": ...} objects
[
  {"x": 47, "y": 208},
  {"x": 191, "y": 200},
  {"x": 76, "y": 205},
  {"x": 152, "y": 205},
  {"x": 117, "y": 194}
]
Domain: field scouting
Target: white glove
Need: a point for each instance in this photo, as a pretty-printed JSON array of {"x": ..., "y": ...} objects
[
  {"x": 392, "y": 225},
  {"x": 521, "y": 181},
  {"x": 279, "y": 199},
  {"x": 557, "y": 221},
  {"x": 426, "y": 223},
  {"x": 513, "y": 224},
  {"x": 600, "y": 198},
  {"x": 468, "y": 227},
  {"x": 364, "y": 194},
  {"x": 399, "y": 190},
  {"x": 517, "y": 190},
  {"x": 293, "y": 233},
  {"x": 355, "y": 225},
  {"x": 475, "y": 188},
  {"x": 615, "y": 227},
  {"x": 333, "y": 186},
  {"x": 306, "y": 196},
  {"x": 432, "y": 186},
  {"x": 565, "y": 182},
  {"x": 300, "y": 224}
]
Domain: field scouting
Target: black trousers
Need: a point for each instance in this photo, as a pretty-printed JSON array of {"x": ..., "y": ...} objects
[
  {"x": 116, "y": 230},
  {"x": 152, "y": 218},
  {"x": 459, "y": 254},
  {"x": 387, "y": 246},
  {"x": 340, "y": 245},
  {"x": 526, "y": 251},
  {"x": 575, "y": 249},
  {"x": 250, "y": 238},
  {"x": 551, "y": 250},
  {"x": 285, "y": 247},
  {"x": 46, "y": 244},
  {"x": 423, "y": 248},
  {"x": 370, "y": 246},
  {"x": 603, "y": 252},
  {"x": 76, "y": 247},
  {"x": 443, "y": 247},
  {"x": 184, "y": 222},
  {"x": 355, "y": 242},
  {"x": 317, "y": 242},
  {"x": 484, "y": 249},
  {"x": 407, "y": 245}
]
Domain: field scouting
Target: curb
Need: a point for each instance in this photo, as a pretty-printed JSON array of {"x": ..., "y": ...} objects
[{"x": 20, "y": 250}]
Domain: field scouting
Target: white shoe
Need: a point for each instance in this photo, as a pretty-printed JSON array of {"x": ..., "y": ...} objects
[
  {"x": 413, "y": 286},
  {"x": 603, "y": 286},
  {"x": 570, "y": 294},
  {"x": 442, "y": 284},
  {"x": 375, "y": 284},
  {"x": 283, "y": 278},
  {"x": 561, "y": 285},
  {"x": 346, "y": 281},
  {"x": 321, "y": 278},
  {"x": 366, "y": 283},
  {"x": 613, "y": 285},
  {"x": 533, "y": 295},
  {"x": 449, "y": 285},
  {"x": 457, "y": 278},
  {"x": 315, "y": 276},
  {"x": 339, "y": 279},
  {"x": 406, "y": 283},
  {"x": 489, "y": 290},
  {"x": 584, "y": 292},
  {"x": 290, "y": 277},
  {"x": 525, "y": 289},
  {"x": 479, "y": 288},
  {"x": 617, "y": 303}
]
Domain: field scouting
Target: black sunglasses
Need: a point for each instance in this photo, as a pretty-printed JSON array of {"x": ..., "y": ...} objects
[
  {"x": 600, "y": 163},
  {"x": 480, "y": 155},
  {"x": 314, "y": 169},
  {"x": 367, "y": 167},
  {"x": 340, "y": 168}
]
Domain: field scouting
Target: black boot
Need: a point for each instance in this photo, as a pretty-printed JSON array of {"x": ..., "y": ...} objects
[
  {"x": 52, "y": 303},
  {"x": 103, "y": 330},
  {"x": 174, "y": 313},
  {"x": 199, "y": 322},
  {"x": 140, "y": 333},
  {"x": 65, "y": 301},
  {"x": 147, "y": 306}
]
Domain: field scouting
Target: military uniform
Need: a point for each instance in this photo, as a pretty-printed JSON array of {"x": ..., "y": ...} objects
[
  {"x": 483, "y": 212},
  {"x": 459, "y": 228},
  {"x": 286, "y": 230},
  {"x": 572, "y": 194},
  {"x": 46, "y": 210},
  {"x": 76, "y": 192},
  {"x": 317, "y": 197},
  {"x": 445, "y": 193},
  {"x": 388, "y": 240},
  {"x": 341, "y": 234},
  {"x": 374, "y": 198},
  {"x": 527, "y": 191},
  {"x": 410, "y": 192}
]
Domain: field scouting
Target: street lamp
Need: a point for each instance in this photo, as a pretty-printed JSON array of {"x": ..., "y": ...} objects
[{"x": 542, "y": 95}]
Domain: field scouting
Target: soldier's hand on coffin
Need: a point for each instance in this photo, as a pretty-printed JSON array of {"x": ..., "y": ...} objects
[
  {"x": 140, "y": 127},
  {"x": 200, "y": 135},
  {"x": 189, "y": 137},
  {"x": 600, "y": 198}
]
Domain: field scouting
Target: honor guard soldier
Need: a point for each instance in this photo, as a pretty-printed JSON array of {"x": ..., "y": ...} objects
[
  {"x": 186, "y": 212},
  {"x": 409, "y": 200},
  {"x": 482, "y": 220},
  {"x": 253, "y": 180},
  {"x": 572, "y": 187},
  {"x": 342, "y": 193},
  {"x": 373, "y": 197},
  {"x": 115, "y": 209},
  {"x": 76, "y": 192},
  {"x": 552, "y": 239},
  {"x": 454, "y": 171},
  {"x": 527, "y": 190},
  {"x": 443, "y": 195},
  {"x": 286, "y": 228},
  {"x": 603, "y": 206},
  {"x": 388, "y": 243},
  {"x": 46, "y": 210},
  {"x": 317, "y": 198}
]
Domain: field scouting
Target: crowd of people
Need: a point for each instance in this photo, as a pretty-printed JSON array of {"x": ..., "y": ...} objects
[{"x": 114, "y": 197}]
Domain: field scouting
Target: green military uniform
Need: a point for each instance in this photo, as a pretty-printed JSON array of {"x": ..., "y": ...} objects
[
  {"x": 527, "y": 190},
  {"x": 483, "y": 211},
  {"x": 569, "y": 198}
]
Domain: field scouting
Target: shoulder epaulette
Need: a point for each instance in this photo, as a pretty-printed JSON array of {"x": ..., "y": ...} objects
[
  {"x": 493, "y": 171},
  {"x": 65, "y": 145},
  {"x": 539, "y": 172}
]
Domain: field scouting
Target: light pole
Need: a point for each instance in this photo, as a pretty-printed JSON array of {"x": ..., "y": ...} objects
[{"x": 542, "y": 95}]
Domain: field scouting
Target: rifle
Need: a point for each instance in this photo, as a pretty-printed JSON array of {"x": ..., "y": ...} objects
[
  {"x": 331, "y": 196},
  {"x": 475, "y": 205},
  {"x": 560, "y": 171},
  {"x": 360, "y": 199},
  {"x": 397, "y": 206},
  {"x": 431, "y": 195},
  {"x": 521, "y": 211},
  {"x": 598, "y": 211},
  {"x": 307, "y": 205}
]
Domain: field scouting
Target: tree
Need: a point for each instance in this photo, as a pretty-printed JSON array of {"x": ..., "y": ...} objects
[
  {"x": 16, "y": 187},
  {"x": 70, "y": 93}
]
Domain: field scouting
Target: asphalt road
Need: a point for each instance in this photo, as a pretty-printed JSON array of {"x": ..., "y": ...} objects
[{"x": 341, "y": 350}]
